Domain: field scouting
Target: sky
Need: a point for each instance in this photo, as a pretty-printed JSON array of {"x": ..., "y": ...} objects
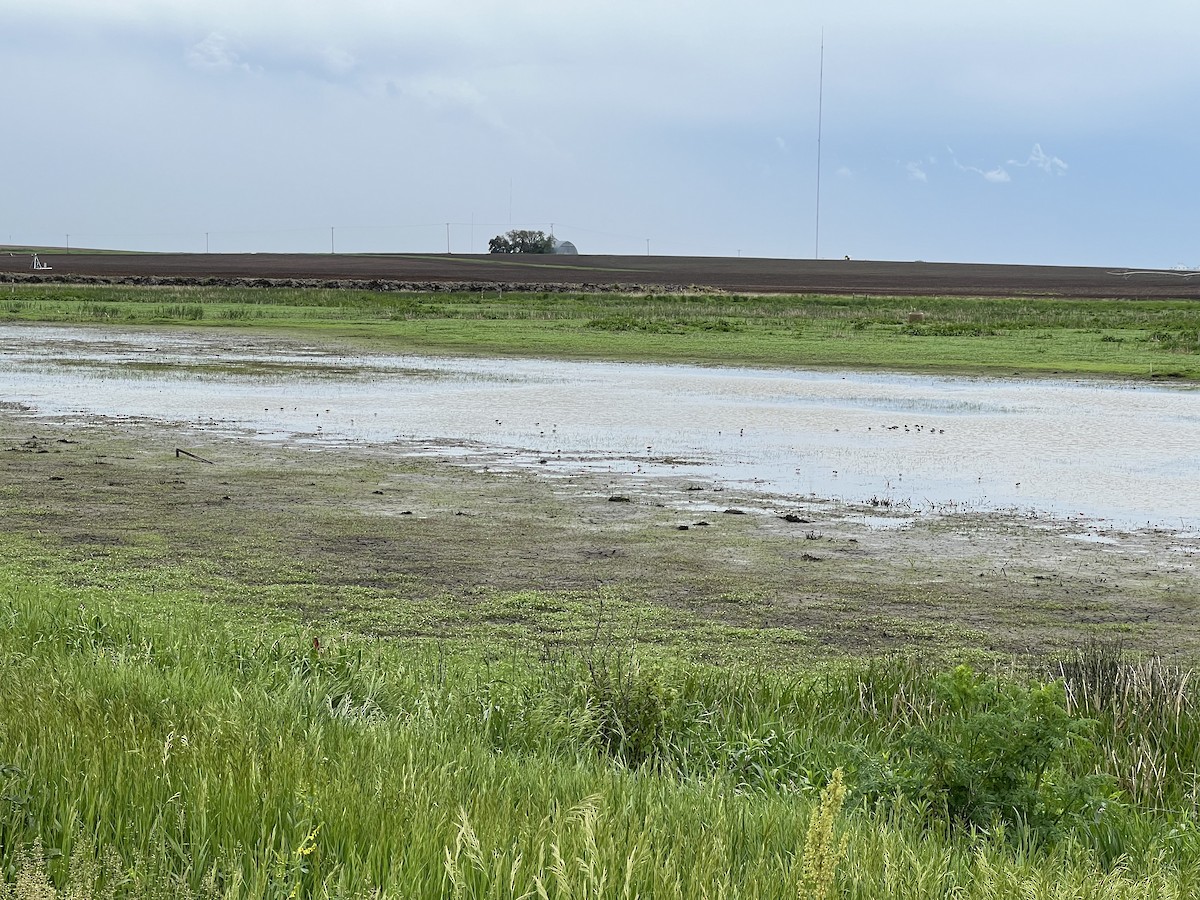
[{"x": 1060, "y": 133}]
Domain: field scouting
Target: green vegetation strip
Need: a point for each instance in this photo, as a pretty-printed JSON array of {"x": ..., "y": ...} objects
[
  {"x": 1143, "y": 339},
  {"x": 148, "y": 748}
]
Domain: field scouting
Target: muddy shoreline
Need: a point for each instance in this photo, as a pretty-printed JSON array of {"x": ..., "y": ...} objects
[
  {"x": 410, "y": 541},
  {"x": 1112, "y": 452}
]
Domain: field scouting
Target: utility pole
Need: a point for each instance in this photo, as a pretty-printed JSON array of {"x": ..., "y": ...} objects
[
  {"x": 447, "y": 238},
  {"x": 332, "y": 248},
  {"x": 206, "y": 242},
  {"x": 820, "y": 110},
  {"x": 647, "y": 246}
]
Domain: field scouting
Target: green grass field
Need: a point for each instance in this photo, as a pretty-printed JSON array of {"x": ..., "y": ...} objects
[
  {"x": 1143, "y": 339},
  {"x": 152, "y": 749},
  {"x": 219, "y": 683}
]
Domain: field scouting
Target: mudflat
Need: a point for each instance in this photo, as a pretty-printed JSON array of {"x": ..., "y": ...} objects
[{"x": 384, "y": 540}]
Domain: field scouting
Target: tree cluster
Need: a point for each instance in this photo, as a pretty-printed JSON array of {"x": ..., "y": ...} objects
[{"x": 521, "y": 241}]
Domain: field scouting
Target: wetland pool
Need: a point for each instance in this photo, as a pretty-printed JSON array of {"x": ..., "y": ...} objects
[{"x": 1122, "y": 454}]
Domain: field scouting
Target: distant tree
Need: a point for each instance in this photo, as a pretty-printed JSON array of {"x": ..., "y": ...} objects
[{"x": 521, "y": 241}]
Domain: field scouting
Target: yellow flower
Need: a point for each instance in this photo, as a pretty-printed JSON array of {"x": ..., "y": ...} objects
[{"x": 309, "y": 845}]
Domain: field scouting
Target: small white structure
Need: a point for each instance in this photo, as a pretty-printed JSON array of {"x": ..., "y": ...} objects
[
  {"x": 564, "y": 247},
  {"x": 39, "y": 266}
]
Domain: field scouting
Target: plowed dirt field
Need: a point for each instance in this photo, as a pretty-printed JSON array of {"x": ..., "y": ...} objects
[{"x": 671, "y": 273}]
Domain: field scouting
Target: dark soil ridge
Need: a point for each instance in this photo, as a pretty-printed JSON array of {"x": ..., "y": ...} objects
[
  {"x": 354, "y": 284},
  {"x": 445, "y": 273}
]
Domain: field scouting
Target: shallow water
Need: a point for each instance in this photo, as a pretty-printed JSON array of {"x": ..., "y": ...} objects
[{"x": 1126, "y": 453}]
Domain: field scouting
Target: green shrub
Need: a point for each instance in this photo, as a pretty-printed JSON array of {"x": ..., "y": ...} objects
[
  {"x": 633, "y": 711},
  {"x": 949, "y": 329},
  {"x": 1182, "y": 341},
  {"x": 620, "y": 323},
  {"x": 997, "y": 755}
]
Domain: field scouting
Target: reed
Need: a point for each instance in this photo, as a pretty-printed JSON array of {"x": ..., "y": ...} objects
[{"x": 1147, "y": 712}]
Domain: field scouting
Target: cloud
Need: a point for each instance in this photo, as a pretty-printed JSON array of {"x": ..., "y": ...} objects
[
  {"x": 593, "y": 65},
  {"x": 998, "y": 175},
  {"x": 217, "y": 52},
  {"x": 1037, "y": 158},
  {"x": 625, "y": 105},
  {"x": 449, "y": 96},
  {"x": 983, "y": 65},
  {"x": 439, "y": 92},
  {"x": 336, "y": 61},
  {"x": 1042, "y": 160},
  {"x": 221, "y": 51}
]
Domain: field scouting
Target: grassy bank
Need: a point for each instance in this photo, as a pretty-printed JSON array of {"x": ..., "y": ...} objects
[
  {"x": 1028, "y": 335},
  {"x": 353, "y": 674},
  {"x": 169, "y": 727},
  {"x": 186, "y": 757}
]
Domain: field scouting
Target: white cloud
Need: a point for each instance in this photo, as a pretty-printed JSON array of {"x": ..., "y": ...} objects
[
  {"x": 445, "y": 95},
  {"x": 1037, "y": 158},
  {"x": 217, "y": 51},
  {"x": 916, "y": 172},
  {"x": 336, "y": 61},
  {"x": 440, "y": 92},
  {"x": 633, "y": 61},
  {"x": 1043, "y": 161},
  {"x": 998, "y": 175},
  {"x": 221, "y": 51}
]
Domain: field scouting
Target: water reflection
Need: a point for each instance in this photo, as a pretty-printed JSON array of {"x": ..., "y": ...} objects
[{"x": 1123, "y": 452}]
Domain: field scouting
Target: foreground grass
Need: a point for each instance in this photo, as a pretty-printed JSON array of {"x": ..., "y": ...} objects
[
  {"x": 149, "y": 749},
  {"x": 939, "y": 334}
]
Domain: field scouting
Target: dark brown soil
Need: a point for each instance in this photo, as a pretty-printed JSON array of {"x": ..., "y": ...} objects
[{"x": 671, "y": 273}]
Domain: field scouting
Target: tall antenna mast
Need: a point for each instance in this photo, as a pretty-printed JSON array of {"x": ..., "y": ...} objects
[{"x": 820, "y": 111}]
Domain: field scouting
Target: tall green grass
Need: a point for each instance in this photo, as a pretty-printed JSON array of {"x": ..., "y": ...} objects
[
  {"x": 1147, "y": 712},
  {"x": 178, "y": 756}
]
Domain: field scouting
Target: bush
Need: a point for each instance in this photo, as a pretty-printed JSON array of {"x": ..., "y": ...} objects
[
  {"x": 1182, "y": 341},
  {"x": 633, "y": 711},
  {"x": 997, "y": 755}
]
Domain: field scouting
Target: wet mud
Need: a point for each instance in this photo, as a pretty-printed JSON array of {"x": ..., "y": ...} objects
[
  {"x": 496, "y": 531},
  {"x": 395, "y": 544}
]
